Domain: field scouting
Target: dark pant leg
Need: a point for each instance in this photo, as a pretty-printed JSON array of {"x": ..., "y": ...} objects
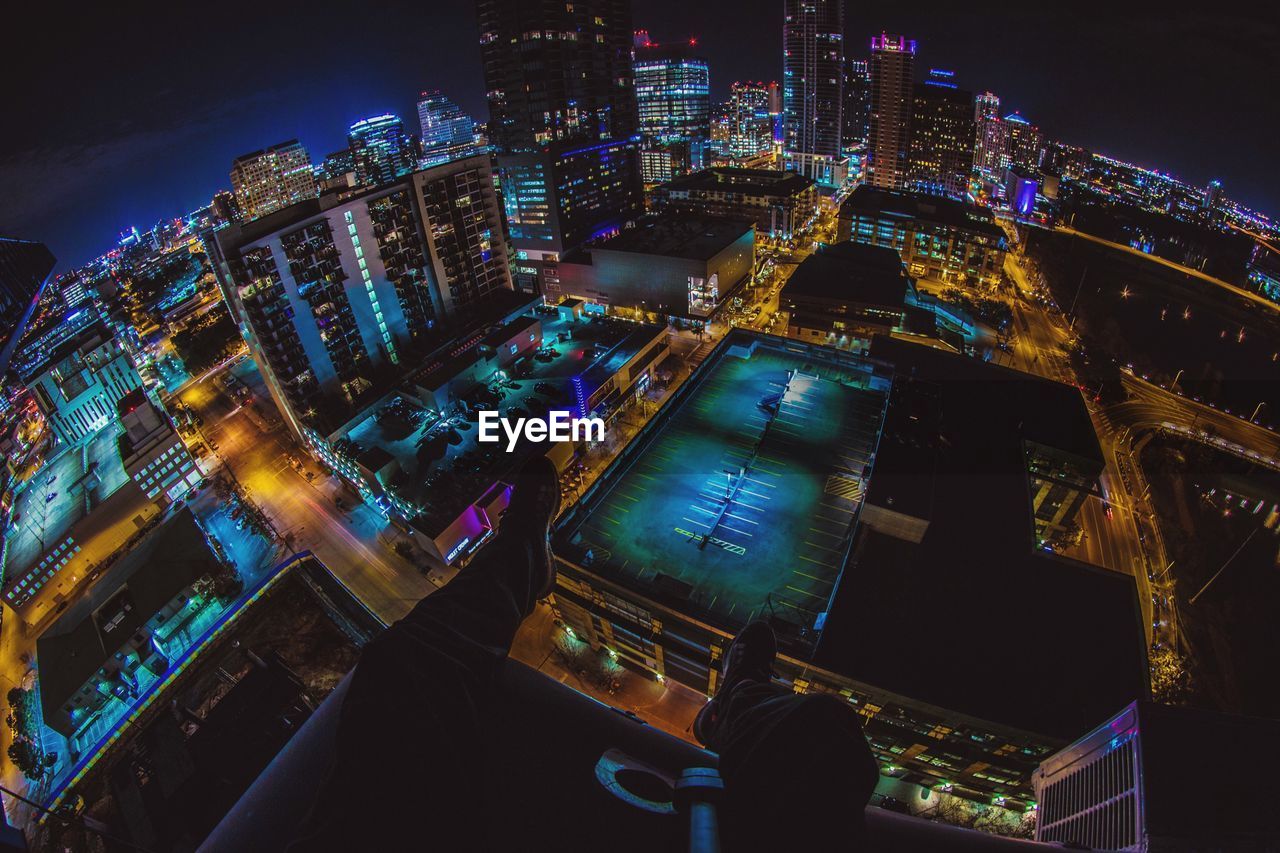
[
  {"x": 796, "y": 767},
  {"x": 410, "y": 756}
]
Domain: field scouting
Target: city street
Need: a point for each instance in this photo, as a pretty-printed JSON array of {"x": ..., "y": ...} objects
[
  {"x": 354, "y": 544},
  {"x": 1039, "y": 347}
]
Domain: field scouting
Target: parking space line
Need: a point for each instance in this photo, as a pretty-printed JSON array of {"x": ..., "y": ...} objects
[{"x": 805, "y": 592}]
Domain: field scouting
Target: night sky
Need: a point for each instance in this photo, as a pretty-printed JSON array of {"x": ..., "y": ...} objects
[{"x": 129, "y": 113}]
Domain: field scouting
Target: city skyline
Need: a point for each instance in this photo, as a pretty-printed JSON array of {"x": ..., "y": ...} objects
[
  {"x": 959, "y": 325},
  {"x": 77, "y": 178}
]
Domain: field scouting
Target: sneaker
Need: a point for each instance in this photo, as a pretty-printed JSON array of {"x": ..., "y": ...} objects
[
  {"x": 750, "y": 658},
  {"x": 535, "y": 503}
]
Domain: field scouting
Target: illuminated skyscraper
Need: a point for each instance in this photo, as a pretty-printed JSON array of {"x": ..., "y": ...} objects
[
  {"x": 268, "y": 180},
  {"x": 857, "y": 104},
  {"x": 447, "y": 132},
  {"x": 381, "y": 150},
  {"x": 750, "y": 125},
  {"x": 562, "y": 114},
  {"x": 564, "y": 196},
  {"x": 1212, "y": 195},
  {"x": 673, "y": 92},
  {"x": 557, "y": 71},
  {"x": 941, "y": 152},
  {"x": 892, "y": 100},
  {"x": 1026, "y": 142},
  {"x": 991, "y": 137},
  {"x": 813, "y": 75},
  {"x": 673, "y": 103}
]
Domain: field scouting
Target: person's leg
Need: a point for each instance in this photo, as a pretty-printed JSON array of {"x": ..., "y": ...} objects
[
  {"x": 791, "y": 763},
  {"x": 411, "y": 734}
]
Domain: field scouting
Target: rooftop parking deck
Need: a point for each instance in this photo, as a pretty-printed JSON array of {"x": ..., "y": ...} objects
[
  {"x": 741, "y": 499},
  {"x": 58, "y": 497}
]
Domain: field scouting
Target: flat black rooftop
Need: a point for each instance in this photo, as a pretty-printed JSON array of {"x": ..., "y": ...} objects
[
  {"x": 746, "y": 181},
  {"x": 696, "y": 238},
  {"x": 1044, "y": 411},
  {"x": 867, "y": 200},
  {"x": 857, "y": 272},
  {"x": 974, "y": 618}
]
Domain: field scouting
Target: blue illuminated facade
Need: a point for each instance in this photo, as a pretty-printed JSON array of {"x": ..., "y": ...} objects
[
  {"x": 447, "y": 132},
  {"x": 673, "y": 93},
  {"x": 564, "y": 196},
  {"x": 1020, "y": 187},
  {"x": 381, "y": 149}
]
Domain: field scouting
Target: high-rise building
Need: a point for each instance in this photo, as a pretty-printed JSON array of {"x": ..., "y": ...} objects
[
  {"x": 892, "y": 102},
  {"x": 337, "y": 164},
  {"x": 1212, "y": 195},
  {"x": 857, "y": 104},
  {"x": 813, "y": 75},
  {"x": 274, "y": 178},
  {"x": 991, "y": 137},
  {"x": 557, "y": 71},
  {"x": 673, "y": 103},
  {"x": 1026, "y": 142},
  {"x": 673, "y": 92},
  {"x": 940, "y": 159},
  {"x": 750, "y": 126},
  {"x": 561, "y": 197},
  {"x": 24, "y": 271},
  {"x": 447, "y": 132},
  {"x": 225, "y": 208},
  {"x": 380, "y": 150},
  {"x": 562, "y": 116},
  {"x": 332, "y": 294}
]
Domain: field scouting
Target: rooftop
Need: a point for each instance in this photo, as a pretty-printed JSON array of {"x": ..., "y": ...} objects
[
  {"x": 83, "y": 341},
  {"x": 797, "y": 419},
  {"x": 998, "y": 629},
  {"x": 868, "y": 200},
  {"x": 1041, "y": 410},
  {"x": 697, "y": 238},
  {"x": 855, "y": 271},
  {"x": 442, "y": 464},
  {"x": 138, "y": 585},
  {"x": 66, "y": 490},
  {"x": 744, "y": 181},
  {"x": 501, "y": 334},
  {"x": 640, "y": 336}
]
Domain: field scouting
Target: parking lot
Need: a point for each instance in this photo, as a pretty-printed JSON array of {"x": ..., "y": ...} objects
[{"x": 746, "y": 494}]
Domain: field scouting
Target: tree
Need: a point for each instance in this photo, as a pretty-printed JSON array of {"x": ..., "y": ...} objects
[
  {"x": 203, "y": 345},
  {"x": 223, "y": 583},
  {"x": 29, "y": 759}
]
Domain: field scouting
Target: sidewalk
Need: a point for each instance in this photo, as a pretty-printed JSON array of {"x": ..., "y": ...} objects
[{"x": 668, "y": 706}]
